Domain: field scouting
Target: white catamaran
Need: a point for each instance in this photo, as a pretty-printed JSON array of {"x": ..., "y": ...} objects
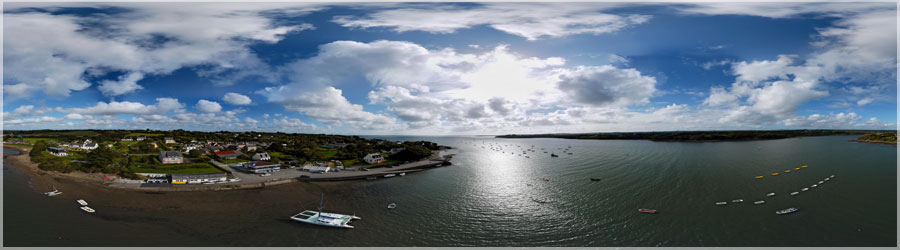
[{"x": 325, "y": 219}]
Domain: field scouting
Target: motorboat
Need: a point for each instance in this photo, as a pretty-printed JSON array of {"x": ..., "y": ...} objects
[
  {"x": 758, "y": 202},
  {"x": 53, "y": 193},
  {"x": 770, "y": 194},
  {"x": 737, "y": 201},
  {"x": 82, "y": 202},
  {"x": 392, "y": 205},
  {"x": 88, "y": 209},
  {"x": 721, "y": 203},
  {"x": 795, "y": 193},
  {"x": 786, "y": 211},
  {"x": 647, "y": 210}
]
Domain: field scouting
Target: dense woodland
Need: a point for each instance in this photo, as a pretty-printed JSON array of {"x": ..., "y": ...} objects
[
  {"x": 126, "y": 158},
  {"x": 884, "y": 137},
  {"x": 700, "y": 136}
]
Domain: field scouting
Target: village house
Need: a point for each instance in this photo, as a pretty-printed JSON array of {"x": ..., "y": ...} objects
[
  {"x": 198, "y": 178},
  {"x": 57, "y": 151},
  {"x": 228, "y": 154},
  {"x": 262, "y": 157},
  {"x": 127, "y": 139},
  {"x": 320, "y": 167},
  {"x": 191, "y": 146},
  {"x": 171, "y": 157},
  {"x": 397, "y": 150},
  {"x": 169, "y": 140},
  {"x": 373, "y": 158},
  {"x": 260, "y": 167},
  {"x": 89, "y": 146},
  {"x": 141, "y": 138}
]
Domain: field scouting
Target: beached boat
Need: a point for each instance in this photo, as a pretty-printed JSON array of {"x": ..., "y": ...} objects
[
  {"x": 758, "y": 177},
  {"x": 325, "y": 219},
  {"x": 82, "y": 202},
  {"x": 786, "y": 211},
  {"x": 770, "y": 194},
  {"x": 389, "y": 175},
  {"x": 795, "y": 193},
  {"x": 758, "y": 202},
  {"x": 392, "y": 205},
  {"x": 804, "y": 189},
  {"x": 88, "y": 209},
  {"x": 647, "y": 210},
  {"x": 721, "y": 203},
  {"x": 53, "y": 193},
  {"x": 774, "y": 173},
  {"x": 737, "y": 201}
]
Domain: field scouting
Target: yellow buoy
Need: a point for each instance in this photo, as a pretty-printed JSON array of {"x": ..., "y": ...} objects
[
  {"x": 796, "y": 168},
  {"x": 759, "y": 177},
  {"x": 774, "y": 173},
  {"x": 803, "y": 166},
  {"x": 787, "y": 171}
]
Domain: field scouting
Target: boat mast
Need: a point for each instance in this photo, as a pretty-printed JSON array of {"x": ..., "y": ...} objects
[{"x": 321, "y": 200}]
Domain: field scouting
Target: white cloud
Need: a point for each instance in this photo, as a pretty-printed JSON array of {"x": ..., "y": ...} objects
[
  {"x": 236, "y": 99},
  {"x": 521, "y": 19},
  {"x": 208, "y": 106},
  {"x": 162, "y": 106},
  {"x": 50, "y": 53},
  {"x": 607, "y": 85},
  {"x": 26, "y": 121}
]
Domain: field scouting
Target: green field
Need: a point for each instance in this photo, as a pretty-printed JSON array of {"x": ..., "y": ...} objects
[
  {"x": 140, "y": 134},
  {"x": 33, "y": 140},
  {"x": 328, "y": 153}
]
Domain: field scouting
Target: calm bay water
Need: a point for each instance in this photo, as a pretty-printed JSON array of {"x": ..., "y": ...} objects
[{"x": 488, "y": 198}]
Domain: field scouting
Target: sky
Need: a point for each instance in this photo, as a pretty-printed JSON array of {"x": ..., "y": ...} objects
[{"x": 449, "y": 68}]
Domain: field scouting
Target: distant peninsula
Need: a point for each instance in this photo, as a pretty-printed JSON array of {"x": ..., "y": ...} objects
[{"x": 711, "y": 136}]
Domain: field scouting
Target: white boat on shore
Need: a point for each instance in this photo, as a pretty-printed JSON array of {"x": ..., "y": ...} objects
[
  {"x": 82, "y": 202},
  {"x": 325, "y": 219},
  {"x": 88, "y": 209}
]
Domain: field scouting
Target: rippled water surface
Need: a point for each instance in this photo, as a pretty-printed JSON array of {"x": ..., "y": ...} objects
[{"x": 494, "y": 195}]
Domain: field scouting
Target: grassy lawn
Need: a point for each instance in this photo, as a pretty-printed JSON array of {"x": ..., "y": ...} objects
[
  {"x": 348, "y": 163},
  {"x": 276, "y": 154},
  {"x": 33, "y": 140},
  {"x": 328, "y": 153},
  {"x": 227, "y": 161},
  {"x": 140, "y": 134}
]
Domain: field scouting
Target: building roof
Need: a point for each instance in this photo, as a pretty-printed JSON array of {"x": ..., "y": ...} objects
[
  {"x": 262, "y": 163},
  {"x": 227, "y": 152},
  {"x": 197, "y": 175},
  {"x": 167, "y": 154}
]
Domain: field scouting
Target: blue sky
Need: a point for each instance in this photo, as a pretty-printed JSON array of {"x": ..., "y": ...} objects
[{"x": 449, "y": 68}]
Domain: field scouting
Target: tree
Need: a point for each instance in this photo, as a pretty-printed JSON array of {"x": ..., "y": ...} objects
[
  {"x": 37, "y": 148},
  {"x": 412, "y": 153},
  {"x": 101, "y": 158}
]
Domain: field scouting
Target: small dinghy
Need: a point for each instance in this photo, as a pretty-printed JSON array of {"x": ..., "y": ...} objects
[
  {"x": 392, "y": 205},
  {"x": 647, "y": 210},
  {"x": 795, "y": 193},
  {"x": 804, "y": 189},
  {"x": 82, "y": 202},
  {"x": 786, "y": 211},
  {"x": 820, "y": 182},
  {"x": 721, "y": 203},
  {"x": 88, "y": 209},
  {"x": 758, "y": 202},
  {"x": 814, "y": 185},
  {"x": 737, "y": 201},
  {"x": 770, "y": 194}
]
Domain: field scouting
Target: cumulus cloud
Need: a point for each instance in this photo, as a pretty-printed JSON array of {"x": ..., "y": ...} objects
[
  {"x": 162, "y": 106},
  {"x": 607, "y": 85},
  {"x": 521, "y": 19},
  {"x": 236, "y": 99},
  {"x": 208, "y": 106},
  {"x": 51, "y": 53}
]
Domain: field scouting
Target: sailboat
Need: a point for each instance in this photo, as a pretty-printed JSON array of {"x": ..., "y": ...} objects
[
  {"x": 53, "y": 193},
  {"x": 324, "y": 219}
]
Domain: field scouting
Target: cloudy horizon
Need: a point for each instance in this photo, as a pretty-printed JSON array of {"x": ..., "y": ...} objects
[{"x": 449, "y": 68}]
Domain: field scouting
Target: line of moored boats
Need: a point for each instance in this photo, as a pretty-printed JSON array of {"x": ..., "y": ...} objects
[{"x": 783, "y": 211}]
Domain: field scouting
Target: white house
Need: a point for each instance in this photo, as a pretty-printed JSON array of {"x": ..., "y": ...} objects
[
  {"x": 373, "y": 158},
  {"x": 141, "y": 138},
  {"x": 170, "y": 157},
  {"x": 191, "y": 146},
  {"x": 262, "y": 157},
  {"x": 169, "y": 140},
  {"x": 127, "y": 139},
  {"x": 89, "y": 146},
  {"x": 57, "y": 151}
]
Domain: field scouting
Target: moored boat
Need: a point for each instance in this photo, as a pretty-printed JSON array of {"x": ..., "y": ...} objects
[
  {"x": 787, "y": 171},
  {"x": 53, "y": 193},
  {"x": 795, "y": 193},
  {"x": 721, "y": 203},
  {"x": 647, "y": 210},
  {"x": 820, "y": 182},
  {"x": 82, "y": 202},
  {"x": 774, "y": 173},
  {"x": 804, "y": 189},
  {"x": 553, "y": 155},
  {"x": 832, "y": 176},
  {"x": 325, "y": 219},
  {"x": 402, "y": 174},
  {"x": 814, "y": 185},
  {"x": 392, "y": 205},
  {"x": 737, "y": 201},
  {"x": 770, "y": 194},
  {"x": 804, "y": 166},
  {"x": 389, "y": 175},
  {"x": 786, "y": 211},
  {"x": 88, "y": 209},
  {"x": 758, "y": 177},
  {"x": 795, "y": 169},
  {"x": 758, "y": 202}
]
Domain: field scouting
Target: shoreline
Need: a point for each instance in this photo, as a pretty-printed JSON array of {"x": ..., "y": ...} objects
[{"x": 43, "y": 178}]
